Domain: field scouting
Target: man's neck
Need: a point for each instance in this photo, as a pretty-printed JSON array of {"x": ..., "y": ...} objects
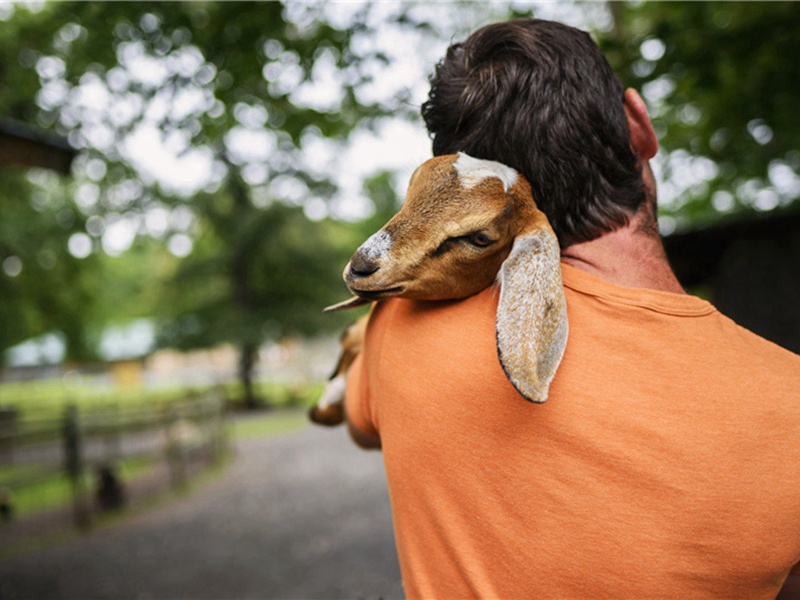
[{"x": 631, "y": 256}]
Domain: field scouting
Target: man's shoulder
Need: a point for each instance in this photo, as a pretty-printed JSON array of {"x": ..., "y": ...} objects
[
  {"x": 415, "y": 326},
  {"x": 402, "y": 310},
  {"x": 760, "y": 348}
]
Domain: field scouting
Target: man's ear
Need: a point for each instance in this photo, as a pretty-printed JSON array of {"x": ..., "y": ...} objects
[{"x": 643, "y": 138}]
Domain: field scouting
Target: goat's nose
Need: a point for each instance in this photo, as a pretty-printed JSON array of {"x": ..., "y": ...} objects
[{"x": 361, "y": 265}]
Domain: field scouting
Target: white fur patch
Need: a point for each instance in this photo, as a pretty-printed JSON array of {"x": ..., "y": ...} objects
[
  {"x": 471, "y": 171},
  {"x": 334, "y": 392},
  {"x": 452, "y": 227},
  {"x": 377, "y": 245}
]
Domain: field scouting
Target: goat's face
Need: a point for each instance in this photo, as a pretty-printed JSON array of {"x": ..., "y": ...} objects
[
  {"x": 454, "y": 231},
  {"x": 466, "y": 223}
]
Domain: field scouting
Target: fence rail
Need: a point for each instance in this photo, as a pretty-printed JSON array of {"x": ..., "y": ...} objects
[{"x": 94, "y": 447}]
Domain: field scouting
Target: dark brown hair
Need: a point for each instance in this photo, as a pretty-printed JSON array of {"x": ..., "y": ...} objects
[{"x": 540, "y": 96}]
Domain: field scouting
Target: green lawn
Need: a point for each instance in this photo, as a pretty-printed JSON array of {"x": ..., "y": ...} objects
[
  {"x": 262, "y": 425},
  {"x": 46, "y": 491},
  {"x": 47, "y": 399},
  {"x": 55, "y": 489},
  {"x": 35, "y": 490}
]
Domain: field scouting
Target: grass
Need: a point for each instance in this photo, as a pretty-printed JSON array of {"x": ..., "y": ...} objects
[
  {"x": 37, "y": 488},
  {"x": 58, "y": 491},
  {"x": 16, "y": 472},
  {"x": 55, "y": 490},
  {"x": 47, "y": 399},
  {"x": 102, "y": 521},
  {"x": 48, "y": 493},
  {"x": 263, "y": 425}
]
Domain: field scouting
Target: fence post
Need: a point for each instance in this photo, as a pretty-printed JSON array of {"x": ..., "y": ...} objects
[
  {"x": 174, "y": 448},
  {"x": 112, "y": 441},
  {"x": 9, "y": 417},
  {"x": 218, "y": 428},
  {"x": 74, "y": 465}
]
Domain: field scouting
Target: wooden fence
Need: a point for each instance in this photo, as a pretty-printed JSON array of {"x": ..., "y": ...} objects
[{"x": 110, "y": 455}]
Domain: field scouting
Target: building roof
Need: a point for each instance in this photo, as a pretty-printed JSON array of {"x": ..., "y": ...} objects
[
  {"x": 696, "y": 255},
  {"x": 21, "y": 144}
]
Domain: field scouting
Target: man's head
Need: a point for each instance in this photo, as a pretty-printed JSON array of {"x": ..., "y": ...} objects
[{"x": 539, "y": 96}]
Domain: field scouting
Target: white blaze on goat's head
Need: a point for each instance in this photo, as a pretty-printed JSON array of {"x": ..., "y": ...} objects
[{"x": 472, "y": 171}]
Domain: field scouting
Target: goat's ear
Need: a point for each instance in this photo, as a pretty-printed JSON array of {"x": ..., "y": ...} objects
[
  {"x": 531, "y": 322},
  {"x": 353, "y": 302}
]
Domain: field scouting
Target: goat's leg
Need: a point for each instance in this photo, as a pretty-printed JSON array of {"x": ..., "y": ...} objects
[{"x": 329, "y": 409}]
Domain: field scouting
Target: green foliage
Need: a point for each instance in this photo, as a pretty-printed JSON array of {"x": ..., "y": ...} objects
[
  {"x": 131, "y": 284},
  {"x": 42, "y": 286},
  {"x": 235, "y": 258},
  {"x": 258, "y": 268},
  {"x": 380, "y": 190},
  {"x": 722, "y": 82},
  {"x": 255, "y": 278}
]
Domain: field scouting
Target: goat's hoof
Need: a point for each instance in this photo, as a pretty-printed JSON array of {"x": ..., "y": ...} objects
[{"x": 330, "y": 416}]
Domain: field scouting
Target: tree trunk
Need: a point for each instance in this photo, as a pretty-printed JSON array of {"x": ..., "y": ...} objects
[
  {"x": 244, "y": 296},
  {"x": 247, "y": 360}
]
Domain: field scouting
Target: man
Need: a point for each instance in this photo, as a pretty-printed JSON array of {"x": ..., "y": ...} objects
[{"x": 665, "y": 462}]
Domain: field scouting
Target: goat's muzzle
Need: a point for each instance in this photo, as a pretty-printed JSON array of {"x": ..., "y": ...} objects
[{"x": 377, "y": 294}]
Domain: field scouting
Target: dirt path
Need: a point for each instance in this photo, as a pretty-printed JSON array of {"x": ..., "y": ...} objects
[{"x": 303, "y": 515}]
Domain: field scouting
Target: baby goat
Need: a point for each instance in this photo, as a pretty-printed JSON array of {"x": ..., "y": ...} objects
[{"x": 465, "y": 224}]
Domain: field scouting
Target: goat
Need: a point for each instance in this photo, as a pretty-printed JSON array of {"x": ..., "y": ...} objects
[
  {"x": 329, "y": 409},
  {"x": 465, "y": 224}
]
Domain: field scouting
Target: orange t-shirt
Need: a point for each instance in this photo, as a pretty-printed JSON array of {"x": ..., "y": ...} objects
[{"x": 665, "y": 463}]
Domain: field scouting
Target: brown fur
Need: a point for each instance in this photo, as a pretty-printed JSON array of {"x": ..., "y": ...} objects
[
  {"x": 430, "y": 257},
  {"x": 438, "y": 208}
]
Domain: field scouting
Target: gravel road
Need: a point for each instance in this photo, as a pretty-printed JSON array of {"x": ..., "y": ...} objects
[{"x": 301, "y": 515}]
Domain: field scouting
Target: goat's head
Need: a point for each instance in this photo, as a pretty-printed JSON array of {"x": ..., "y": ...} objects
[
  {"x": 456, "y": 227},
  {"x": 465, "y": 223}
]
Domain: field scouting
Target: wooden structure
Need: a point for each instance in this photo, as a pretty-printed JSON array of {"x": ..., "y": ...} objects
[
  {"x": 97, "y": 448},
  {"x": 23, "y": 145},
  {"x": 749, "y": 269}
]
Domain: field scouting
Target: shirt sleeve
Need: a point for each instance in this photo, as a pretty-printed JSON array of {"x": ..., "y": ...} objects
[{"x": 357, "y": 400}]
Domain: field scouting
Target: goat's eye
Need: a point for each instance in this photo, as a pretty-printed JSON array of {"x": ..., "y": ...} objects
[{"x": 480, "y": 239}]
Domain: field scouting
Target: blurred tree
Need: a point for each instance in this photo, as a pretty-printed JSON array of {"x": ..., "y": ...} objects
[
  {"x": 257, "y": 101},
  {"x": 274, "y": 281},
  {"x": 42, "y": 287},
  {"x": 722, "y": 84},
  {"x": 240, "y": 91}
]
